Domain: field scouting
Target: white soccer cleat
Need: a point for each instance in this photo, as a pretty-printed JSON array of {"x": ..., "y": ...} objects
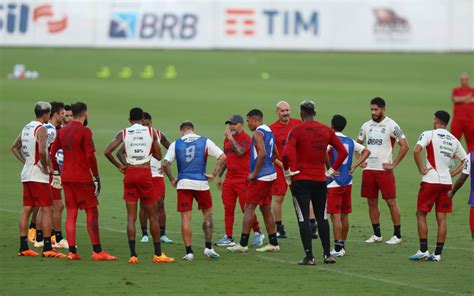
[
  {"x": 39, "y": 244},
  {"x": 394, "y": 240},
  {"x": 268, "y": 248},
  {"x": 144, "y": 239},
  {"x": 211, "y": 253},
  {"x": 419, "y": 255},
  {"x": 435, "y": 258},
  {"x": 188, "y": 257},
  {"x": 238, "y": 249},
  {"x": 341, "y": 253},
  {"x": 61, "y": 244},
  {"x": 374, "y": 239},
  {"x": 258, "y": 238}
]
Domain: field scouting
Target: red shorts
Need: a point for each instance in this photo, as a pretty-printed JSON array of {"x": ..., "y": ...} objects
[
  {"x": 158, "y": 188},
  {"x": 185, "y": 199},
  {"x": 36, "y": 194},
  {"x": 279, "y": 186},
  {"x": 471, "y": 218},
  {"x": 431, "y": 194},
  {"x": 138, "y": 184},
  {"x": 80, "y": 195},
  {"x": 374, "y": 181},
  {"x": 260, "y": 193},
  {"x": 56, "y": 192},
  {"x": 339, "y": 200}
]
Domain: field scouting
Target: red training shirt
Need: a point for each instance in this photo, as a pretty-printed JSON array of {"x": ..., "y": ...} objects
[
  {"x": 463, "y": 109},
  {"x": 238, "y": 167},
  {"x": 281, "y": 131},
  {"x": 80, "y": 163},
  {"x": 306, "y": 150}
]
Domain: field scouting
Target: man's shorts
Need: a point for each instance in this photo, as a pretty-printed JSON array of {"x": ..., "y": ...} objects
[
  {"x": 36, "y": 194},
  {"x": 158, "y": 188},
  {"x": 138, "y": 184},
  {"x": 374, "y": 181},
  {"x": 185, "y": 199},
  {"x": 80, "y": 195},
  {"x": 434, "y": 194},
  {"x": 339, "y": 200},
  {"x": 260, "y": 193},
  {"x": 279, "y": 186}
]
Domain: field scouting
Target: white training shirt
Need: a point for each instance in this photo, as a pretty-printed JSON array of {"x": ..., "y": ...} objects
[
  {"x": 29, "y": 146},
  {"x": 440, "y": 147},
  {"x": 467, "y": 165},
  {"x": 379, "y": 137},
  {"x": 211, "y": 149},
  {"x": 137, "y": 140},
  {"x": 357, "y": 148},
  {"x": 155, "y": 164}
]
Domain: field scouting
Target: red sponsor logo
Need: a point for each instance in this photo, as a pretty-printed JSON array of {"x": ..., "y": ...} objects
[
  {"x": 240, "y": 22},
  {"x": 45, "y": 11}
]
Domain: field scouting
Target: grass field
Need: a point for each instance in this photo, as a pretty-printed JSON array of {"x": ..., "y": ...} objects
[{"x": 209, "y": 87}]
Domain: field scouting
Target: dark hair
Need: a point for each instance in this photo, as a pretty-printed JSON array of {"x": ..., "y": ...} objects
[
  {"x": 308, "y": 107},
  {"x": 255, "y": 113},
  {"x": 55, "y": 107},
  {"x": 78, "y": 109},
  {"x": 67, "y": 108},
  {"x": 338, "y": 122},
  {"x": 443, "y": 116},
  {"x": 146, "y": 115},
  {"x": 42, "y": 108},
  {"x": 378, "y": 101},
  {"x": 136, "y": 114},
  {"x": 186, "y": 125}
]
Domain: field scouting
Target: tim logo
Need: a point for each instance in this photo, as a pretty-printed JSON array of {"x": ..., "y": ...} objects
[
  {"x": 387, "y": 22},
  {"x": 16, "y": 18},
  {"x": 240, "y": 21}
]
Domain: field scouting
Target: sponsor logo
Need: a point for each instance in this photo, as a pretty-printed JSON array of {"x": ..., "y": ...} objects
[
  {"x": 16, "y": 18},
  {"x": 375, "y": 142},
  {"x": 387, "y": 21}
]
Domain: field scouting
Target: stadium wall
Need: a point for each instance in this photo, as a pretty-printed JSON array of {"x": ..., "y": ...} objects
[{"x": 341, "y": 25}]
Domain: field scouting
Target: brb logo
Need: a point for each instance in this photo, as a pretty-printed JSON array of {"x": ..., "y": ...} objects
[
  {"x": 243, "y": 22},
  {"x": 134, "y": 25},
  {"x": 16, "y": 17}
]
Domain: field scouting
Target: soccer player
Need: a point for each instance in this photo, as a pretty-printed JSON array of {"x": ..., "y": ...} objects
[
  {"x": 467, "y": 171},
  {"x": 463, "y": 115},
  {"x": 280, "y": 129},
  {"x": 441, "y": 146},
  {"x": 30, "y": 148},
  {"x": 261, "y": 179},
  {"x": 379, "y": 135},
  {"x": 237, "y": 151},
  {"x": 141, "y": 144},
  {"x": 67, "y": 114},
  {"x": 80, "y": 179},
  {"x": 304, "y": 162},
  {"x": 190, "y": 152}
]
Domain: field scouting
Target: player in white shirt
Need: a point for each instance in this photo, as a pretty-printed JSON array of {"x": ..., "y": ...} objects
[
  {"x": 31, "y": 149},
  {"x": 379, "y": 135},
  {"x": 190, "y": 152},
  {"x": 441, "y": 146}
]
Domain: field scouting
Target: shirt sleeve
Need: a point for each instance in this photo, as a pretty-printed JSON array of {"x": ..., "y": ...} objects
[
  {"x": 396, "y": 132},
  {"x": 425, "y": 139},
  {"x": 467, "y": 166},
  {"x": 358, "y": 147},
  {"x": 212, "y": 149},
  {"x": 362, "y": 135},
  {"x": 288, "y": 157},
  {"x": 171, "y": 154}
]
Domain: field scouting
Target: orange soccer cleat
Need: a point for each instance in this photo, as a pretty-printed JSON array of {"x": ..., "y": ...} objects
[
  {"x": 73, "y": 256},
  {"x": 133, "y": 260},
  {"x": 102, "y": 256},
  {"x": 162, "y": 259},
  {"x": 53, "y": 254},
  {"x": 28, "y": 253}
]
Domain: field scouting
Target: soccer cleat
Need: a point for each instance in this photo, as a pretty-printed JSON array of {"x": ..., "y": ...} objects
[
  {"x": 53, "y": 254},
  {"x": 102, "y": 256},
  {"x": 144, "y": 239},
  {"x": 307, "y": 261},
  {"x": 188, "y": 257},
  {"x": 225, "y": 241},
  {"x": 314, "y": 231},
  {"x": 434, "y": 258},
  {"x": 134, "y": 260},
  {"x": 335, "y": 253},
  {"x": 32, "y": 235},
  {"x": 162, "y": 259},
  {"x": 166, "y": 240},
  {"x": 39, "y": 244},
  {"x": 73, "y": 256},
  {"x": 238, "y": 249},
  {"x": 53, "y": 239},
  {"x": 281, "y": 233},
  {"x": 61, "y": 244},
  {"x": 28, "y": 253},
  {"x": 329, "y": 259},
  {"x": 419, "y": 255},
  {"x": 258, "y": 238},
  {"x": 210, "y": 253},
  {"x": 374, "y": 239},
  {"x": 268, "y": 248},
  {"x": 394, "y": 240}
]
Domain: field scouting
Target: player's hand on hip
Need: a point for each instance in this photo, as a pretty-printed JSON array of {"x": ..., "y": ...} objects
[
  {"x": 450, "y": 194},
  {"x": 219, "y": 183},
  {"x": 425, "y": 171},
  {"x": 388, "y": 166},
  {"x": 251, "y": 177},
  {"x": 56, "y": 182},
  {"x": 174, "y": 183},
  {"x": 122, "y": 169},
  {"x": 210, "y": 177},
  {"x": 97, "y": 185},
  {"x": 363, "y": 165},
  {"x": 44, "y": 170}
]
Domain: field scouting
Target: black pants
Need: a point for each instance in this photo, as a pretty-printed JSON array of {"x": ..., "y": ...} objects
[{"x": 304, "y": 192}]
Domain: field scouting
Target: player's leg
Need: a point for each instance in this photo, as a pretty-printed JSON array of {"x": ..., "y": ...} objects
[
  {"x": 162, "y": 221},
  {"x": 441, "y": 236},
  {"x": 386, "y": 182},
  {"x": 425, "y": 202},
  {"x": 312, "y": 221},
  {"x": 39, "y": 243},
  {"x": 444, "y": 206},
  {"x": 346, "y": 209},
  {"x": 47, "y": 219},
  {"x": 370, "y": 190},
  {"x": 58, "y": 208},
  {"x": 301, "y": 202},
  {"x": 143, "y": 224},
  {"x": 247, "y": 222},
  {"x": 150, "y": 209},
  {"x": 229, "y": 200},
  {"x": 319, "y": 198},
  {"x": 186, "y": 233},
  {"x": 131, "y": 229},
  {"x": 71, "y": 221},
  {"x": 24, "y": 216},
  {"x": 208, "y": 228},
  {"x": 278, "y": 192},
  {"x": 32, "y": 226},
  {"x": 345, "y": 226},
  {"x": 258, "y": 236}
]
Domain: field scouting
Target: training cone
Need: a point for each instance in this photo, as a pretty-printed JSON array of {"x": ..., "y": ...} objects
[
  {"x": 148, "y": 72},
  {"x": 103, "y": 73},
  {"x": 125, "y": 73},
  {"x": 170, "y": 72}
]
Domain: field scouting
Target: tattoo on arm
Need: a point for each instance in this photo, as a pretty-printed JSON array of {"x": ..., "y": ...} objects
[
  {"x": 224, "y": 166},
  {"x": 220, "y": 163},
  {"x": 237, "y": 148}
]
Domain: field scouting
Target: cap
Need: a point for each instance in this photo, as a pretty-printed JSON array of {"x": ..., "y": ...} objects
[{"x": 235, "y": 119}]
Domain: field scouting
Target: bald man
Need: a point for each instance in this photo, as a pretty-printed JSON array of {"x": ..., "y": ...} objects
[{"x": 463, "y": 115}]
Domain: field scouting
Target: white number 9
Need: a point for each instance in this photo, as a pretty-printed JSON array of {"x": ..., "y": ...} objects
[{"x": 190, "y": 151}]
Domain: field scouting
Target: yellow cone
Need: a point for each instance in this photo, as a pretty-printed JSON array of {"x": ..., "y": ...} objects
[
  {"x": 125, "y": 73},
  {"x": 170, "y": 72},
  {"x": 103, "y": 73},
  {"x": 148, "y": 72}
]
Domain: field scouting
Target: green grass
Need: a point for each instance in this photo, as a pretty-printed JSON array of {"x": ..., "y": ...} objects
[{"x": 210, "y": 86}]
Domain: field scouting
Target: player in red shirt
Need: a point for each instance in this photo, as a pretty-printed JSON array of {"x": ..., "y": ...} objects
[
  {"x": 304, "y": 161},
  {"x": 237, "y": 150},
  {"x": 463, "y": 115},
  {"x": 80, "y": 179}
]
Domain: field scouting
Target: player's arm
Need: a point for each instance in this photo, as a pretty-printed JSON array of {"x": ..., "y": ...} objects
[
  {"x": 261, "y": 154},
  {"x": 219, "y": 177},
  {"x": 461, "y": 99},
  {"x": 459, "y": 182},
  {"x": 16, "y": 149},
  {"x": 457, "y": 169},
  {"x": 238, "y": 149},
  {"x": 166, "y": 166},
  {"x": 111, "y": 148},
  {"x": 42, "y": 135},
  {"x": 216, "y": 152},
  {"x": 155, "y": 147},
  {"x": 164, "y": 140},
  {"x": 362, "y": 157},
  {"x": 418, "y": 155},
  {"x": 403, "y": 143},
  {"x": 460, "y": 154},
  {"x": 120, "y": 154}
]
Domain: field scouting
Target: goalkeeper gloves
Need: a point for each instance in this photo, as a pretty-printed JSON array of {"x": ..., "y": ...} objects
[
  {"x": 56, "y": 182},
  {"x": 97, "y": 185}
]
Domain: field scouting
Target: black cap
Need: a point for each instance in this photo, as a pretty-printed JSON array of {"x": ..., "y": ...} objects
[{"x": 235, "y": 119}]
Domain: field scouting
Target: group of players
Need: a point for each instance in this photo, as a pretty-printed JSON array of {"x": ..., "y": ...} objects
[{"x": 315, "y": 160}]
